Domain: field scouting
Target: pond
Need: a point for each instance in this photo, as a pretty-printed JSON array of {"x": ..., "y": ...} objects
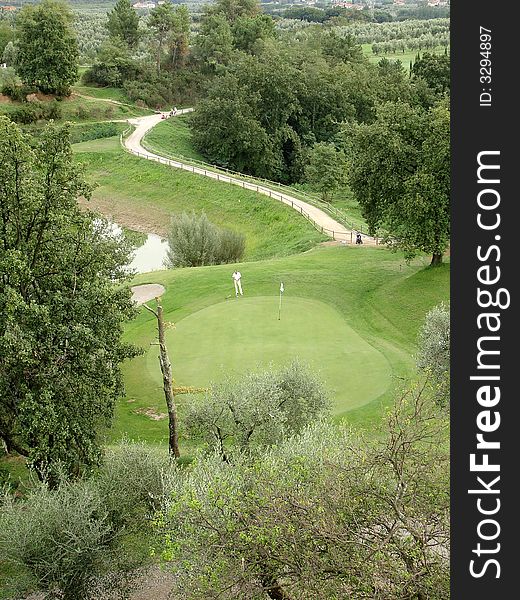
[{"x": 150, "y": 256}]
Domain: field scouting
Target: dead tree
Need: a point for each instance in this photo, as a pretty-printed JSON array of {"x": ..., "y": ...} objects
[{"x": 166, "y": 370}]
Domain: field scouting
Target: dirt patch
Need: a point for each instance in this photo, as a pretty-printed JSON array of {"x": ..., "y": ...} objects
[
  {"x": 151, "y": 413},
  {"x": 5, "y": 99},
  {"x": 39, "y": 97},
  {"x": 134, "y": 217}
]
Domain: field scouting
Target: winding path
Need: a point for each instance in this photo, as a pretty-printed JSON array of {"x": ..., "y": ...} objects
[{"x": 320, "y": 219}]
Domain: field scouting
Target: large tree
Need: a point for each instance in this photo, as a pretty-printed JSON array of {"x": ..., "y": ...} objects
[
  {"x": 400, "y": 173},
  {"x": 123, "y": 23},
  {"x": 47, "y": 56},
  {"x": 170, "y": 30},
  {"x": 61, "y": 310}
]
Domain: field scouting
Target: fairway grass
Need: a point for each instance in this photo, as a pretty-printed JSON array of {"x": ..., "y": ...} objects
[{"x": 352, "y": 313}]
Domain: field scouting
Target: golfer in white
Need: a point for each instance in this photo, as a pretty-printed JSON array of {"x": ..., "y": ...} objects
[{"x": 238, "y": 284}]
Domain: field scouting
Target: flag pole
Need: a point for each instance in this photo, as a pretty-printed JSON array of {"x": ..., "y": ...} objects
[{"x": 280, "y": 304}]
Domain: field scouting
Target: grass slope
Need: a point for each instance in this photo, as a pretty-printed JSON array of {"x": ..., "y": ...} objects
[
  {"x": 142, "y": 195},
  {"x": 375, "y": 306}
]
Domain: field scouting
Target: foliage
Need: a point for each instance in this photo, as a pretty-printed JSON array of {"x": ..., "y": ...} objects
[
  {"x": 258, "y": 410},
  {"x": 194, "y": 241},
  {"x": 61, "y": 314},
  {"x": 47, "y": 50},
  {"x": 435, "y": 70},
  {"x": 113, "y": 66},
  {"x": 123, "y": 23},
  {"x": 31, "y": 112},
  {"x": 400, "y": 173},
  {"x": 434, "y": 351},
  {"x": 70, "y": 542},
  {"x": 325, "y": 514},
  {"x": 170, "y": 30},
  {"x": 326, "y": 169}
]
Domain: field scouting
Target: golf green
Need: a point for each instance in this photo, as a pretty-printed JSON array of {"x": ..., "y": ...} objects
[{"x": 242, "y": 333}]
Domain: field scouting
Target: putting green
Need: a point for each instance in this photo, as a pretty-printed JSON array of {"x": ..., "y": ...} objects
[{"x": 243, "y": 334}]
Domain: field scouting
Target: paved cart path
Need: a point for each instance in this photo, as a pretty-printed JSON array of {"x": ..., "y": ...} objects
[{"x": 321, "y": 220}]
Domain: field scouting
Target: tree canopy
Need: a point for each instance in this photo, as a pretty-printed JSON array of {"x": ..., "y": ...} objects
[
  {"x": 61, "y": 312},
  {"x": 47, "y": 56},
  {"x": 123, "y": 23},
  {"x": 399, "y": 170}
]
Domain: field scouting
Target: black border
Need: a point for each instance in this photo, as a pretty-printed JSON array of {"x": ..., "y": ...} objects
[{"x": 476, "y": 129}]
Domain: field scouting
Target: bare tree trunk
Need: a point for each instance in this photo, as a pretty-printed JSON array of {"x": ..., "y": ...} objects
[
  {"x": 166, "y": 370},
  {"x": 436, "y": 260}
]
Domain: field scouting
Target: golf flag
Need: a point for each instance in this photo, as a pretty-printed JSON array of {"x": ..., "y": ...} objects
[{"x": 280, "y": 304}]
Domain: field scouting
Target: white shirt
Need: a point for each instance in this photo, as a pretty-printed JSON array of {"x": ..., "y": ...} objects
[{"x": 237, "y": 276}]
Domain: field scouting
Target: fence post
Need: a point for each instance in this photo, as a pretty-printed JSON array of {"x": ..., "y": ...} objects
[{"x": 351, "y": 236}]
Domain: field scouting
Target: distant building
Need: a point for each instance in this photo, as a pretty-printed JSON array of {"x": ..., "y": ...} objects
[
  {"x": 349, "y": 5},
  {"x": 8, "y": 8},
  {"x": 139, "y": 5}
]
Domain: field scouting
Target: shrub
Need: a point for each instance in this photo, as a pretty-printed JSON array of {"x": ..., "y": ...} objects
[
  {"x": 194, "y": 241},
  {"x": 31, "y": 112},
  {"x": 324, "y": 514},
  {"x": 434, "y": 351},
  {"x": 231, "y": 246},
  {"x": 257, "y": 411},
  {"x": 70, "y": 542}
]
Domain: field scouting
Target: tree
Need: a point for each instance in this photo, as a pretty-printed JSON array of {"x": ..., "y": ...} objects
[
  {"x": 326, "y": 169},
  {"x": 327, "y": 513},
  {"x": 47, "y": 56},
  {"x": 257, "y": 411},
  {"x": 123, "y": 23},
  {"x": 433, "y": 356},
  {"x": 435, "y": 70},
  {"x": 167, "y": 375},
  {"x": 399, "y": 170},
  {"x": 250, "y": 32},
  {"x": 61, "y": 310},
  {"x": 214, "y": 42},
  {"x": 171, "y": 28}
]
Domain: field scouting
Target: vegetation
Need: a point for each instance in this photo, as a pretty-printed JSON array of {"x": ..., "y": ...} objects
[
  {"x": 257, "y": 411},
  {"x": 325, "y": 514},
  {"x": 275, "y": 474},
  {"x": 434, "y": 351},
  {"x": 47, "y": 52},
  {"x": 400, "y": 172},
  {"x": 62, "y": 318},
  {"x": 194, "y": 241},
  {"x": 72, "y": 542}
]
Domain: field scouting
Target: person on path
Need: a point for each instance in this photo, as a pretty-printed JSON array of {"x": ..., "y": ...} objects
[{"x": 238, "y": 284}]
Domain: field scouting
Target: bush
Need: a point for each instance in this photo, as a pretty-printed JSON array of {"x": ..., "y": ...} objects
[
  {"x": 94, "y": 131},
  {"x": 70, "y": 542},
  {"x": 15, "y": 91},
  {"x": 434, "y": 351},
  {"x": 231, "y": 246},
  {"x": 194, "y": 241},
  {"x": 257, "y": 411},
  {"x": 325, "y": 514},
  {"x": 31, "y": 112}
]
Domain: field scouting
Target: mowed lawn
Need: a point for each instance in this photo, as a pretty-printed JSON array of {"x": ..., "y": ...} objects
[
  {"x": 352, "y": 313},
  {"x": 142, "y": 195}
]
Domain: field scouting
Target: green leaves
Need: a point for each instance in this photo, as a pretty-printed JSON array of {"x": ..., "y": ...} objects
[
  {"x": 47, "y": 56},
  {"x": 61, "y": 312}
]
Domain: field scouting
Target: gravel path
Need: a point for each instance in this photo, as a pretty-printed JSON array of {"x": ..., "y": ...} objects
[{"x": 321, "y": 219}]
